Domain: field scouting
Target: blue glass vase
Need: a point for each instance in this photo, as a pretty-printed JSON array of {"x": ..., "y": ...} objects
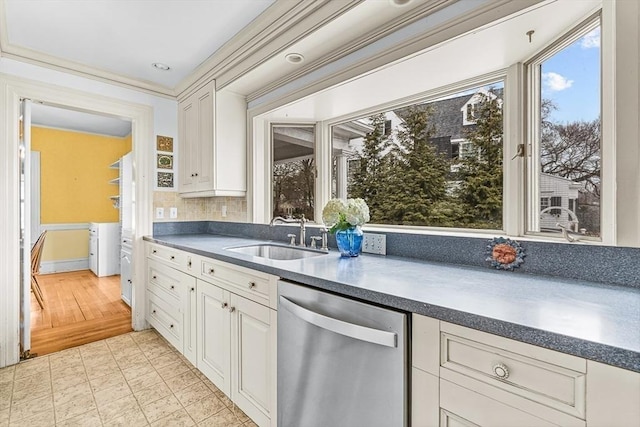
[{"x": 349, "y": 241}]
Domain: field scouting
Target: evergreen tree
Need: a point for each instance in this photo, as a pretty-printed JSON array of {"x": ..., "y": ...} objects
[
  {"x": 371, "y": 168},
  {"x": 480, "y": 189},
  {"x": 417, "y": 173}
]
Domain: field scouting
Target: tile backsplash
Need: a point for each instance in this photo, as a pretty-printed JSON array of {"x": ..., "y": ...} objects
[{"x": 200, "y": 208}]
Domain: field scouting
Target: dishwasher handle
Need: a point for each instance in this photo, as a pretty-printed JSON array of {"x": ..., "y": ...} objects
[{"x": 362, "y": 333}]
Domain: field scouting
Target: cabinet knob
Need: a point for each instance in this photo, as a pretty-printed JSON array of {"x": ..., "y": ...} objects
[
  {"x": 154, "y": 251},
  {"x": 193, "y": 289},
  {"x": 232, "y": 309},
  {"x": 501, "y": 371},
  {"x": 172, "y": 257},
  {"x": 189, "y": 263},
  {"x": 211, "y": 271},
  {"x": 252, "y": 285},
  {"x": 224, "y": 305},
  {"x": 129, "y": 280},
  {"x": 196, "y": 174},
  {"x": 171, "y": 325},
  {"x": 173, "y": 287},
  {"x": 192, "y": 175},
  {"x": 154, "y": 277},
  {"x": 154, "y": 312}
]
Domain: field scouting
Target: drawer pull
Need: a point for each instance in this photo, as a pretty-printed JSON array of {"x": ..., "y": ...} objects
[
  {"x": 172, "y": 287},
  {"x": 252, "y": 285},
  {"x": 224, "y": 305},
  {"x": 211, "y": 271},
  {"x": 173, "y": 257},
  {"x": 501, "y": 371},
  {"x": 189, "y": 263}
]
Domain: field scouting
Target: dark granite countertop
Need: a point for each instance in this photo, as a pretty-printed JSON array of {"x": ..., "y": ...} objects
[{"x": 596, "y": 321}]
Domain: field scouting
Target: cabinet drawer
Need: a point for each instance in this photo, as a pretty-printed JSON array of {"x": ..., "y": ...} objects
[
  {"x": 166, "y": 320},
  {"x": 481, "y": 357},
  {"x": 173, "y": 257},
  {"x": 463, "y": 407},
  {"x": 167, "y": 283},
  {"x": 253, "y": 286}
]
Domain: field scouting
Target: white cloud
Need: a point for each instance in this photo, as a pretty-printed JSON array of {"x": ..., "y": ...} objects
[
  {"x": 556, "y": 82},
  {"x": 591, "y": 39}
]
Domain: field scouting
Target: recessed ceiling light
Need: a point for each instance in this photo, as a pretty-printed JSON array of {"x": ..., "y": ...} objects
[
  {"x": 160, "y": 66},
  {"x": 294, "y": 58},
  {"x": 400, "y": 3}
]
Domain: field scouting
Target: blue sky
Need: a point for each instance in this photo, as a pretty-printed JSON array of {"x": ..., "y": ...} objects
[{"x": 571, "y": 78}]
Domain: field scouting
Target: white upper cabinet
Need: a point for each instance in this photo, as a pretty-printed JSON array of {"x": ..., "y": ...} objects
[{"x": 212, "y": 145}]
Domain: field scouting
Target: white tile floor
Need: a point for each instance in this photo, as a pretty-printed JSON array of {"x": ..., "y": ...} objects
[{"x": 136, "y": 379}]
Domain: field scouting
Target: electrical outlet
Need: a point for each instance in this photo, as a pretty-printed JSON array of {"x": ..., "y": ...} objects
[
  {"x": 173, "y": 213},
  {"x": 374, "y": 243},
  {"x": 159, "y": 213}
]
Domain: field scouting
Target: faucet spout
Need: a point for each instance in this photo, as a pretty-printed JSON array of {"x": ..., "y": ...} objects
[{"x": 302, "y": 221}]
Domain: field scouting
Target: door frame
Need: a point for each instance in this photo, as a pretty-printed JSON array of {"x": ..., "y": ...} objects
[{"x": 12, "y": 89}]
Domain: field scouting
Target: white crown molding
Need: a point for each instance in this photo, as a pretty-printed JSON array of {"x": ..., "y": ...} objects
[{"x": 281, "y": 25}]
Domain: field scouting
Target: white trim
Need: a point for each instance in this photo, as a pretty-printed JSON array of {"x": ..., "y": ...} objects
[
  {"x": 69, "y": 226},
  {"x": 11, "y": 90},
  {"x": 63, "y": 265}
]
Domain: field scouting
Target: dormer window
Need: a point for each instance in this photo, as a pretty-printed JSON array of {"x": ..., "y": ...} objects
[{"x": 469, "y": 117}]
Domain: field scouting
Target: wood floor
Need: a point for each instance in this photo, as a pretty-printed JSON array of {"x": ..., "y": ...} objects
[{"x": 79, "y": 308}]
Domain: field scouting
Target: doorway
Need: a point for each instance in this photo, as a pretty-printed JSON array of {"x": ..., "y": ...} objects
[
  {"x": 80, "y": 295},
  {"x": 14, "y": 89}
]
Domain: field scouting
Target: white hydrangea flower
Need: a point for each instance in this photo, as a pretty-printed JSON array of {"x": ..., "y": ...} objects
[
  {"x": 332, "y": 210},
  {"x": 340, "y": 215}
]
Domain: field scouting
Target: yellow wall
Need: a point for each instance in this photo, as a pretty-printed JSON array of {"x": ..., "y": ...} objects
[
  {"x": 75, "y": 174},
  {"x": 74, "y": 185}
]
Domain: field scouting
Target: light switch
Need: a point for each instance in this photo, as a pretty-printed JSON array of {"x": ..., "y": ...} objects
[
  {"x": 173, "y": 213},
  {"x": 159, "y": 213}
]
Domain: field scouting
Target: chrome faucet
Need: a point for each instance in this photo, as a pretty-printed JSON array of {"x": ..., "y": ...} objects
[{"x": 302, "y": 221}]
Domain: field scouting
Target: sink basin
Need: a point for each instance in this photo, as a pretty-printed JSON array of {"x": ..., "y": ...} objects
[{"x": 277, "y": 252}]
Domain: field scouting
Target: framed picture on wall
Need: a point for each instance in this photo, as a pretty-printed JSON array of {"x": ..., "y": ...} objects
[
  {"x": 164, "y": 143},
  {"x": 165, "y": 161},
  {"x": 165, "y": 180}
]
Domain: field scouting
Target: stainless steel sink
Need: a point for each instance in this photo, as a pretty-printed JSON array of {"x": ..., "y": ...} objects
[{"x": 277, "y": 252}]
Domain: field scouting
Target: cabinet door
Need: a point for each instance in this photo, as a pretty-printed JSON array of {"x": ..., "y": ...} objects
[
  {"x": 188, "y": 132},
  {"x": 213, "y": 343},
  {"x": 253, "y": 359},
  {"x": 190, "y": 321},
  {"x": 125, "y": 276},
  {"x": 205, "y": 160},
  {"x": 93, "y": 254}
]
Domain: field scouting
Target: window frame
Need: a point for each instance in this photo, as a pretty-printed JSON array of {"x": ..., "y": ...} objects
[
  {"x": 501, "y": 75},
  {"x": 532, "y": 117}
]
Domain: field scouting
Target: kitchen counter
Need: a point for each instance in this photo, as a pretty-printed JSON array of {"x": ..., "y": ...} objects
[{"x": 591, "y": 320}]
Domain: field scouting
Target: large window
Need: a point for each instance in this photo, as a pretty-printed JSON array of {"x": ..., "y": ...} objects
[
  {"x": 434, "y": 163},
  {"x": 293, "y": 170},
  {"x": 566, "y": 135}
]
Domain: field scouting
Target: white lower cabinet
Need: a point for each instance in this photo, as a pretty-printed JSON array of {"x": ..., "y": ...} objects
[
  {"x": 230, "y": 338},
  {"x": 464, "y": 377},
  {"x": 236, "y": 349}
]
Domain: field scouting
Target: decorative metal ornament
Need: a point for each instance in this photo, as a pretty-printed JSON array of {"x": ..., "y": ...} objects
[{"x": 504, "y": 253}]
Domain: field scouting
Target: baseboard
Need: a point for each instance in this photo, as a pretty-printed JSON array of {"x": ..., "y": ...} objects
[{"x": 63, "y": 265}]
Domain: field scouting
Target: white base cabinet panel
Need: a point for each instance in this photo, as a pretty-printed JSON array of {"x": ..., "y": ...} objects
[
  {"x": 214, "y": 335},
  {"x": 613, "y": 396}
]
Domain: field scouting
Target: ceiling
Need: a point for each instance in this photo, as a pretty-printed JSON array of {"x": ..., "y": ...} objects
[
  {"x": 126, "y": 37},
  {"x": 64, "y": 118}
]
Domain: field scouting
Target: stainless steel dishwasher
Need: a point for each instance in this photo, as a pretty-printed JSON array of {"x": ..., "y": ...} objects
[{"x": 341, "y": 363}]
